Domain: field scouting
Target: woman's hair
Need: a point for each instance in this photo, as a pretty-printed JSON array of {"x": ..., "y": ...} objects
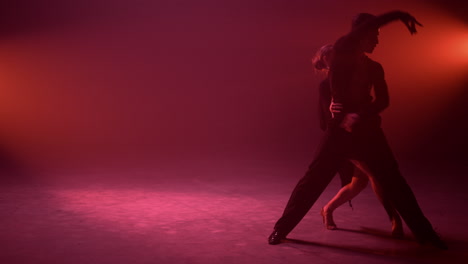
[{"x": 319, "y": 59}]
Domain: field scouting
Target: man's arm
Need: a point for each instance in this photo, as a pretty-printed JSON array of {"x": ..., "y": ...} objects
[
  {"x": 381, "y": 20},
  {"x": 382, "y": 98},
  {"x": 346, "y": 50}
]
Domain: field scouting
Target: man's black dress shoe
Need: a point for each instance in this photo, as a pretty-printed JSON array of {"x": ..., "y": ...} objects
[
  {"x": 275, "y": 238},
  {"x": 433, "y": 240},
  {"x": 437, "y": 242}
]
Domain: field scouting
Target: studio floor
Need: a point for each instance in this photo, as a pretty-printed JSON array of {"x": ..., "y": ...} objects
[{"x": 213, "y": 212}]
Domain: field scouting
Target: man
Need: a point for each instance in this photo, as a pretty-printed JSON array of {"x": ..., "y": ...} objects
[{"x": 354, "y": 133}]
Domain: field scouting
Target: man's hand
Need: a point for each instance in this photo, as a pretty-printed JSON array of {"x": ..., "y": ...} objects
[
  {"x": 410, "y": 22},
  {"x": 348, "y": 121}
]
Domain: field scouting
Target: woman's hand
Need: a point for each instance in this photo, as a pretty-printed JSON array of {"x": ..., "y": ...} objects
[{"x": 335, "y": 108}]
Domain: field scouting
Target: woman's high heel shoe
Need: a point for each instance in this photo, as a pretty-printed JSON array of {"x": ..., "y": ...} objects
[{"x": 328, "y": 220}]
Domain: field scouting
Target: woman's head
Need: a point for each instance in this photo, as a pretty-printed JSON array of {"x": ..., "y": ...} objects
[{"x": 322, "y": 58}]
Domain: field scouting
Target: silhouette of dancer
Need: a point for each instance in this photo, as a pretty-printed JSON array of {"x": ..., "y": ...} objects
[
  {"x": 355, "y": 132},
  {"x": 353, "y": 179}
]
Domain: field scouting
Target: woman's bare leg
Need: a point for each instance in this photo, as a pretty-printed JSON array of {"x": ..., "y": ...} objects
[{"x": 358, "y": 183}]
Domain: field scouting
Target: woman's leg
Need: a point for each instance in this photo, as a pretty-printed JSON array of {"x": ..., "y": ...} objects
[{"x": 358, "y": 183}]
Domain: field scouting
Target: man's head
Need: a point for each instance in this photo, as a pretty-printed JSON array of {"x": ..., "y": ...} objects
[
  {"x": 360, "y": 19},
  {"x": 371, "y": 39}
]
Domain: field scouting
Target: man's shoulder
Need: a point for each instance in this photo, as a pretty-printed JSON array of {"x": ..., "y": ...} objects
[
  {"x": 375, "y": 67},
  {"x": 345, "y": 43},
  {"x": 371, "y": 61},
  {"x": 374, "y": 64}
]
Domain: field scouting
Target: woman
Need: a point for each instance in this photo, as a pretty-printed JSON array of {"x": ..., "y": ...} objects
[{"x": 353, "y": 179}]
